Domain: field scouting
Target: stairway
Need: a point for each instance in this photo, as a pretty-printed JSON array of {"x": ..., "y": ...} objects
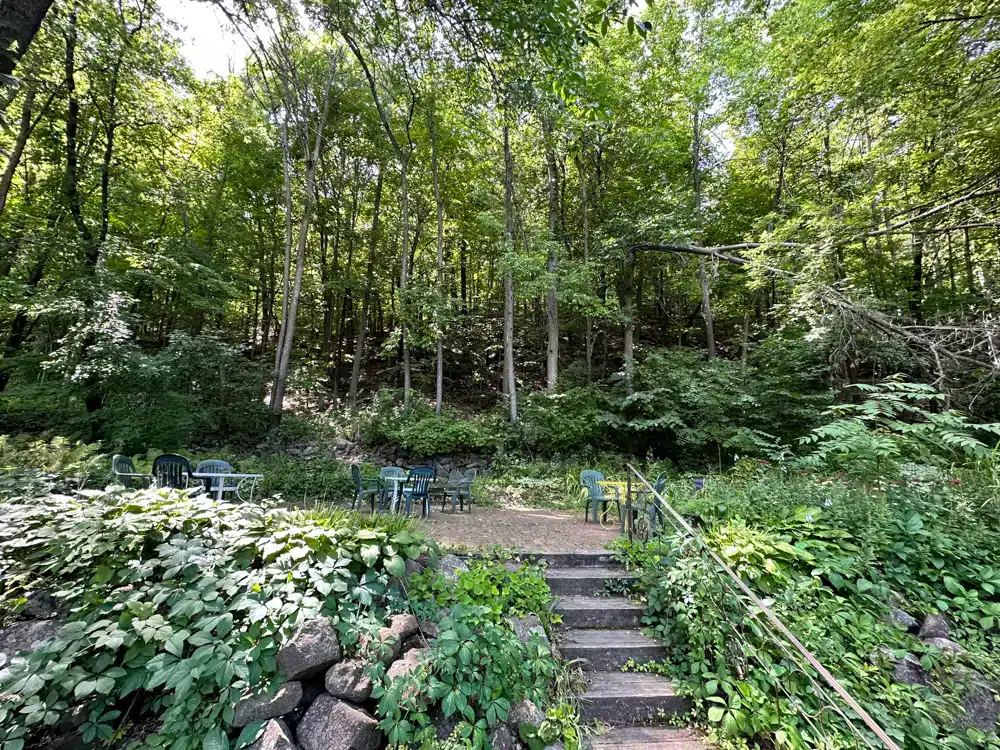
[{"x": 605, "y": 631}]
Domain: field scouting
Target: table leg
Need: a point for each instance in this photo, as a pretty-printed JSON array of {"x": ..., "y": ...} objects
[{"x": 219, "y": 495}]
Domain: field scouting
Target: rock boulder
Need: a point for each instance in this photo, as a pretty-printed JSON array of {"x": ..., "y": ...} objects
[
  {"x": 25, "y": 636},
  {"x": 260, "y": 707},
  {"x": 450, "y": 565},
  {"x": 332, "y": 724},
  {"x": 348, "y": 680},
  {"x": 276, "y": 736},
  {"x": 934, "y": 626},
  {"x": 311, "y": 651}
]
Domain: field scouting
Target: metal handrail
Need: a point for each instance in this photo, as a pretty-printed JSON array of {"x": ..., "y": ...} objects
[{"x": 772, "y": 618}]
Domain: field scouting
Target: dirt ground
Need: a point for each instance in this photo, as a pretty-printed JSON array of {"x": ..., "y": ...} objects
[{"x": 527, "y": 529}]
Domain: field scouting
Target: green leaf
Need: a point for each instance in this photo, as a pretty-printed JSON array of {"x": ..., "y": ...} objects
[
  {"x": 395, "y": 566},
  {"x": 715, "y": 713}
]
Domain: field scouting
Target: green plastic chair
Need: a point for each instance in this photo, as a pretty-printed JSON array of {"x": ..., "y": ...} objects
[
  {"x": 419, "y": 483},
  {"x": 363, "y": 488},
  {"x": 215, "y": 466},
  {"x": 590, "y": 479},
  {"x": 647, "y": 497},
  {"x": 459, "y": 489},
  {"x": 172, "y": 470},
  {"x": 124, "y": 473}
]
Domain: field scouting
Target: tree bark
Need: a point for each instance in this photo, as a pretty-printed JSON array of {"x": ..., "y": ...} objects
[
  {"x": 286, "y": 158},
  {"x": 970, "y": 278},
  {"x": 584, "y": 209},
  {"x": 706, "y": 295},
  {"x": 359, "y": 345},
  {"x": 439, "y": 204},
  {"x": 552, "y": 263},
  {"x": 71, "y": 180},
  {"x": 628, "y": 294},
  {"x": 19, "y": 22},
  {"x": 23, "y": 132},
  {"x": 510, "y": 380},
  {"x": 288, "y": 324}
]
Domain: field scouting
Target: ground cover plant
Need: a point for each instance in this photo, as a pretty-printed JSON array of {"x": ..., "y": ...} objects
[
  {"x": 177, "y": 604},
  {"x": 877, "y": 520}
]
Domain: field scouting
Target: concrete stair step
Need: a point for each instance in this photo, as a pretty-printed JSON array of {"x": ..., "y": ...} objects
[
  {"x": 599, "y": 612},
  {"x": 623, "y": 698},
  {"x": 579, "y": 559},
  {"x": 607, "y": 650},
  {"x": 584, "y": 581},
  {"x": 649, "y": 738}
]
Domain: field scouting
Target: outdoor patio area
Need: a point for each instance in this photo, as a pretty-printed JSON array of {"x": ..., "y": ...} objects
[{"x": 518, "y": 528}]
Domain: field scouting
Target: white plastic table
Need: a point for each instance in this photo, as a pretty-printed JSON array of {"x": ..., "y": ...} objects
[
  {"x": 225, "y": 485},
  {"x": 396, "y": 494}
]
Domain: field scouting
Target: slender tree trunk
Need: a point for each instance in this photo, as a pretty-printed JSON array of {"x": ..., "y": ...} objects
[
  {"x": 359, "y": 345},
  {"x": 951, "y": 264},
  {"x": 288, "y": 325},
  {"x": 286, "y": 158},
  {"x": 745, "y": 342},
  {"x": 917, "y": 280},
  {"x": 584, "y": 209},
  {"x": 628, "y": 294},
  {"x": 552, "y": 264},
  {"x": 23, "y": 132},
  {"x": 970, "y": 278},
  {"x": 405, "y": 219},
  {"x": 71, "y": 182},
  {"x": 508, "y": 276},
  {"x": 439, "y": 204},
  {"x": 706, "y": 296}
]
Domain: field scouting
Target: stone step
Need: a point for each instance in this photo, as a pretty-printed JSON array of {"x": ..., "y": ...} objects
[
  {"x": 649, "y": 738},
  {"x": 579, "y": 559},
  {"x": 624, "y": 698},
  {"x": 583, "y": 581},
  {"x": 599, "y": 612},
  {"x": 607, "y": 650}
]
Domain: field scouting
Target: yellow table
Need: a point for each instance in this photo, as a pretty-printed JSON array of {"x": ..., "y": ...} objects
[{"x": 620, "y": 491}]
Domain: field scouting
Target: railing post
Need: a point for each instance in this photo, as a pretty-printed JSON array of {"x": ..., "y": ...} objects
[{"x": 628, "y": 501}]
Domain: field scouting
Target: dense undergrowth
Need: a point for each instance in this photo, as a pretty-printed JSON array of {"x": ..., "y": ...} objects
[
  {"x": 895, "y": 508},
  {"x": 172, "y": 606}
]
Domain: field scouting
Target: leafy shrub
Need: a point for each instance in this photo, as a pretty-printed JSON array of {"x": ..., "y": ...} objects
[
  {"x": 499, "y": 591},
  {"x": 476, "y": 669},
  {"x": 35, "y": 468},
  {"x": 420, "y": 430},
  {"x": 553, "y": 423},
  {"x": 178, "y": 604},
  {"x": 830, "y": 556},
  {"x": 896, "y": 422}
]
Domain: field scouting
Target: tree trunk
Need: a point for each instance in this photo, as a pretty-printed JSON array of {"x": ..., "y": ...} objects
[
  {"x": 589, "y": 336},
  {"x": 917, "y": 281},
  {"x": 110, "y": 126},
  {"x": 552, "y": 264},
  {"x": 706, "y": 298},
  {"x": 71, "y": 180},
  {"x": 627, "y": 308},
  {"x": 359, "y": 346},
  {"x": 970, "y": 278},
  {"x": 24, "y": 131},
  {"x": 19, "y": 22},
  {"x": 286, "y": 157},
  {"x": 439, "y": 389},
  {"x": 288, "y": 324},
  {"x": 508, "y": 277}
]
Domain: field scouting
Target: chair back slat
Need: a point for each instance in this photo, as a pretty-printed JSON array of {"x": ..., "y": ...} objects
[
  {"x": 122, "y": 465},
  {"x": 172, "y": 470},
  {"x": 213, "y": 466},
  {"x": 590, "y": 479},
  {"x": 420, "y": 479}
]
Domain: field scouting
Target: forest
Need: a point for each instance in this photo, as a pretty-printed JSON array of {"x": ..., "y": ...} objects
[
  {"x": 672, "y": 227},
  {"x": 738, "y": 257}
]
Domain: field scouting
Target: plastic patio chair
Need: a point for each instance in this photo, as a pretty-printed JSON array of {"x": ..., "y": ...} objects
[
  {"x": 649, "y": 499},
  {"x": 389, "y": 488},
  {"x": 590, "y": 479},
  {"x": 363, "y": 488},
  {"x": 419, "y": 484},
  {"x": 214, "y": 466},
  {"x": 172, "y": 470},
  {"x": 124, "y": 472},
  {"x": 459, "y": 489}
]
